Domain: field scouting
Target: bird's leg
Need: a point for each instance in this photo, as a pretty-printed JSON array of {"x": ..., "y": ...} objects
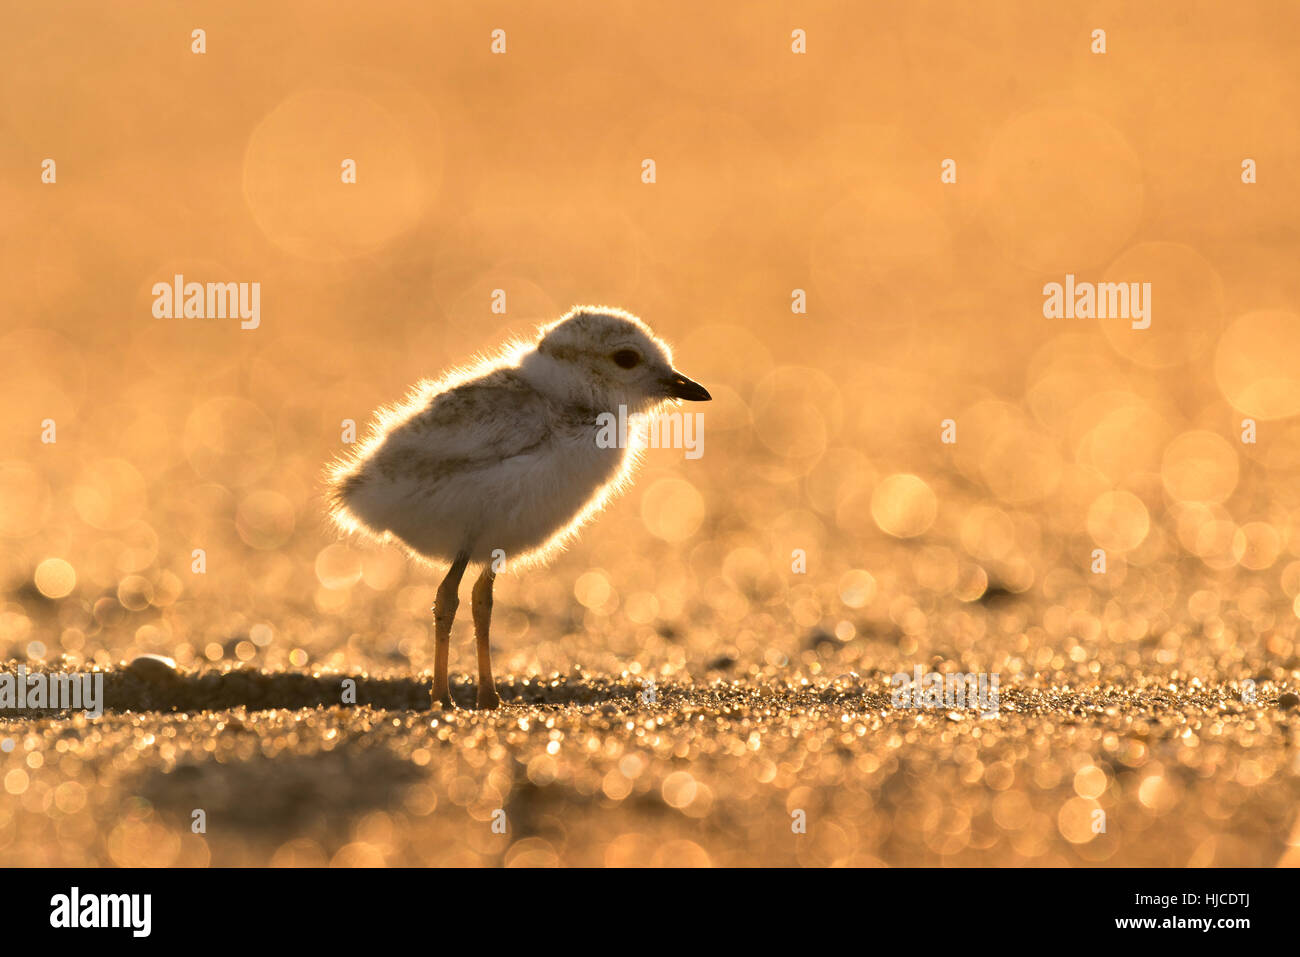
[
  {"x": 444, "y": 613},
  {"x": 487, "y": 689}
]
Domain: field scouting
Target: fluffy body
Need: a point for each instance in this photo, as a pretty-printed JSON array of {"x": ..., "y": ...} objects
[{"x": 503, "y": 454}]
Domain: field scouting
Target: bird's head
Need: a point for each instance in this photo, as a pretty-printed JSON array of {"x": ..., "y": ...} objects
[{"x": 610, "y": 357}]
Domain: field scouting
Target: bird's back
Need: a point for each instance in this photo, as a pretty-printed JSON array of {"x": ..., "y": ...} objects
[{"x": 485, "y": 464}]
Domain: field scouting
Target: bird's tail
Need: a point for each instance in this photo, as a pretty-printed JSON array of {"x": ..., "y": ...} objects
[{"x": 344, "y": 478}]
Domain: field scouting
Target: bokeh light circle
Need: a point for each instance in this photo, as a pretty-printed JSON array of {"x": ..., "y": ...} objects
[
  {"x": 293, "y": 175},
  {"x": 55, "y": 578},
  {"x": 1199, "y": 466},
  {"x": 672, "y": 509},
  {"x": 1063, "y": 190},
  {"x": 1118, "y": 521},
  {"x": 904, "y": 505},
  {"x": 1257, "y": 364}
]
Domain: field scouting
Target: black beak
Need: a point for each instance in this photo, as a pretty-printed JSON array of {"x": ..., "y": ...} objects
[{"x": 680, "y": 387}]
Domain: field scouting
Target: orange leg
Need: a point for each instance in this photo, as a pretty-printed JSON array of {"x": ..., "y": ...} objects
[
  {"x": 444, "y": 613},
  {"x": 487, "y": 689}
]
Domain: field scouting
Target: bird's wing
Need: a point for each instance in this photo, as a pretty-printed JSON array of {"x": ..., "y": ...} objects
[{"x": 472, "y": 425}]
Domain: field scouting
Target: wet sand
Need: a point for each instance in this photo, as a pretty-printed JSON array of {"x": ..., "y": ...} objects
[{"x": 582, "y": 769}]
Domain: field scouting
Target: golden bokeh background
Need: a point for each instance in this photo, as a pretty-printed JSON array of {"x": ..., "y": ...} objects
[{"x": 775, "y": 172}]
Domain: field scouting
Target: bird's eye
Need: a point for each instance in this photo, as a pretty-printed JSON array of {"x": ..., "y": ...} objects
[{"x": 626, "y": 358}]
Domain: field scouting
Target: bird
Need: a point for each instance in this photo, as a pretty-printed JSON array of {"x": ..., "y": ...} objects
[{"x": 500, "y": 461}]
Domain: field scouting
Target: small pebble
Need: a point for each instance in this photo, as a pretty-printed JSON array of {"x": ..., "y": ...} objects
[
  {"x": 156, "y": 668},
  {"x": 1288, "y": 701}
]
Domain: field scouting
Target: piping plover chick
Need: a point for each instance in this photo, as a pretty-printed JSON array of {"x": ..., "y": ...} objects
[{"x": 501, "y": 459}]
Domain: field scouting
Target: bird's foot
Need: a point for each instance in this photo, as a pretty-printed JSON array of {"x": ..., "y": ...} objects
[
  {"x": 488, "y": 700},
  {"x": 443, "y": 702}
]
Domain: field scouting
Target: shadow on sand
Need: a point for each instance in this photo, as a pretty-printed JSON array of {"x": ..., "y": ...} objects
[{"x": 158, "y": 689}]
